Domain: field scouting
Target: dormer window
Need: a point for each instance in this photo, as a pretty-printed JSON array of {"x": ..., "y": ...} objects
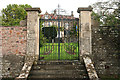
[{"x": 46, "y": 16}]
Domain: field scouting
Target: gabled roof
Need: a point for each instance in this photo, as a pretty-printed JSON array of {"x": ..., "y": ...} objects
[{"x": 55, "y": 16}]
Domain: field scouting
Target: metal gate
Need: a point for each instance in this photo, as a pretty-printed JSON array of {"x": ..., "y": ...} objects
[{"x": 59, "y": 39}]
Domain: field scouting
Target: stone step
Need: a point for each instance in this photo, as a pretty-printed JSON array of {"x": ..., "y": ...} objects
[
  {"x": 57, "y": 67},
  {"x": 59, "y": 72},
  {"x": 58, "y": 77},
  {"x": 58, "y": 62}
]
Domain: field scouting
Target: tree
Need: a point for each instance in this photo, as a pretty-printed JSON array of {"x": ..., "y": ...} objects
[
  {"x": 117, "y": 11},
  {"x": 49, "y": 32},
  {"x": 107, "y": 13},
  {"x": 13, "y": 14}
]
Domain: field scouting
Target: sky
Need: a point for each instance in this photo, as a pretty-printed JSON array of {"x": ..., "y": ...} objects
[{"x": 50, "y": 5}]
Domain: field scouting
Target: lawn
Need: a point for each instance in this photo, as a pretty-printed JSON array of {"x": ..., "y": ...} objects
[{"x": 68, "y": 51}]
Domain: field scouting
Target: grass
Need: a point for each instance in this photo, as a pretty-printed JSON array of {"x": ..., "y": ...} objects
[{"x": 50, "y": 51}]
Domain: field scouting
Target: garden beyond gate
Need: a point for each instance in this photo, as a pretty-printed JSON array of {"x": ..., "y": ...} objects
[{"x": 59, "y": 38}]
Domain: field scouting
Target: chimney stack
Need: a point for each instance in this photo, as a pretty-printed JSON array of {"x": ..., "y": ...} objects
[
  {"x": 72, "y": 13},
  {"x": 55, "y": 12}
]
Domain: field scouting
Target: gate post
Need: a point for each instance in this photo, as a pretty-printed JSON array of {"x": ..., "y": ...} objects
[
  {"x": 85, "y": 44},
  {"x": 33, "y": 32}
]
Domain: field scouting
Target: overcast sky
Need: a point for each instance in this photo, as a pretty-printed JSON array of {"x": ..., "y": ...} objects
[{"x": 50, "y": 5}]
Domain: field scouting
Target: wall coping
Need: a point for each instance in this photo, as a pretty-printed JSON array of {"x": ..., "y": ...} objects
[
  {"x": 33, "y": 9},
  {"x": 84, "y": 9},
  {"x": 90, "y": 68}
]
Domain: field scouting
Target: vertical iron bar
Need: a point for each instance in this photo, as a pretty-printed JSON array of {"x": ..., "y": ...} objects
[
  {"x": 51, "y": 48},
  {"x": 58, "y": 38},
  {"x": 58, "y": 32},
  {"x": 61, "y": 49},
  {"x": 39, "y": 39},
  {"x": 78, "y": 37},
  {"x": 73, "y": 49},
  {"x": 44, "y": 49}
]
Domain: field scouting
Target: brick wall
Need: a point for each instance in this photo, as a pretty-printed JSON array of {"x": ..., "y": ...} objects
[
  {"x": 13, "y": 50},
  {"x": 1, "y": 53},
  {"x": 14, "y": 40},
  {"x": 106, "y": 52}
]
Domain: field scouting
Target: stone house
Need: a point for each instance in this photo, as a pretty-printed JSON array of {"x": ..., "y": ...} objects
[{"x": 66, "y": 22}]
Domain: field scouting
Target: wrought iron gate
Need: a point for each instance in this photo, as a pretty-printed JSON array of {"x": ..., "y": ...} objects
[{"x": 59, "y": 39}]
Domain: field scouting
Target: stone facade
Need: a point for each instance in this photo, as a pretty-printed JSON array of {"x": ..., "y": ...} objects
[
  {"x": 12, "y": 65},
  {"x": 33, "y": 31},
  {"x": 12, "y": 50},
  {"x": 101, "y": 45},
  {"x": 85, "y": 31},
  {"x": 106, "y": 52},
  {"x": 85, "y": 40},
  {"x": 32, "y": 52}
]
